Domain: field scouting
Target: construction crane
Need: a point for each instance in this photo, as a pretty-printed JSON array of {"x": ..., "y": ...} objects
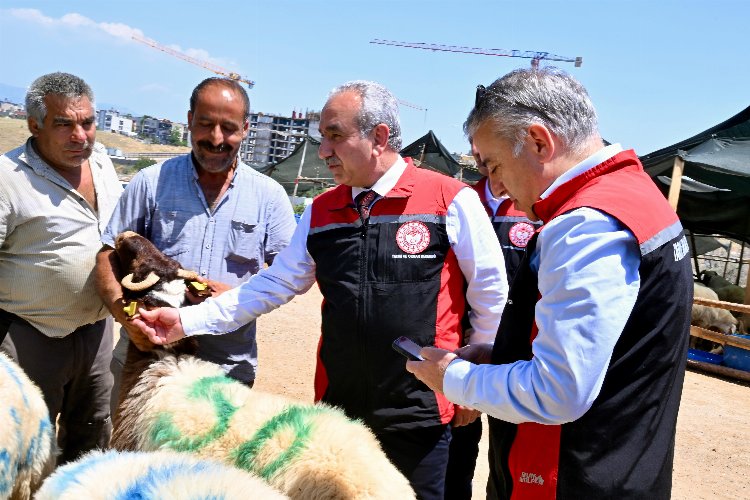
[
  {"x": 527, "y": 54},
  {"x": 203, "y": 64}
]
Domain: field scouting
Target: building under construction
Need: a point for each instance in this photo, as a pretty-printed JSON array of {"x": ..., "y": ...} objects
[{"x": 272, "y": 138}]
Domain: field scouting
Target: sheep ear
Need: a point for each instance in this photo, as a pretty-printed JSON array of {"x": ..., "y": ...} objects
[{"x": 147, "y": 282}]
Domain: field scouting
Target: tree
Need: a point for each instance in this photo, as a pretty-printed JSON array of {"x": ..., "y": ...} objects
[
  {"x": 175, "y": 138},
  {"x": 143, "y": 163}
]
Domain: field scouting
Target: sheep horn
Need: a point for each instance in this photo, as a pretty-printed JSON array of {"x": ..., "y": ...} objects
[
  {"x": 147, "y": 282},
  {"x": 188, "y": 275}
]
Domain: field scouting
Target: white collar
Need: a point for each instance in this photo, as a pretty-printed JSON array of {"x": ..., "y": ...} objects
[
  {"x": 386, "y": 181},
  {"x": 595, "y": 159}
]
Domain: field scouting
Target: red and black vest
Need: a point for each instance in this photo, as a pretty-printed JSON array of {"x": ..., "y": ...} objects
[
  {"x": 623, "y": 446},
  {"x": 396, "y": 274},
  {"x": 512, "y": 227}
]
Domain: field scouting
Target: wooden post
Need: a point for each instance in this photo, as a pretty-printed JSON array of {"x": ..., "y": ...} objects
[{"x": 674, "y": 187}]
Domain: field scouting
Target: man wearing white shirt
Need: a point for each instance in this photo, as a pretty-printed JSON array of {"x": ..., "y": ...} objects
[
  {"x": 409, "y": 265},
  {"x": 584, "y": 379}
]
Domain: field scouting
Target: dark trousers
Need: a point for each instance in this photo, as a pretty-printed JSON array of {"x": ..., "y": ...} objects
[
  {"x": 73, "y": 375},
  {"x": 422, "y": 456},
  {"x": 462, "y": 460}
]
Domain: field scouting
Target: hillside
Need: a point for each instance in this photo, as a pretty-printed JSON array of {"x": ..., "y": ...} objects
[{"x": 13, "y": 133}]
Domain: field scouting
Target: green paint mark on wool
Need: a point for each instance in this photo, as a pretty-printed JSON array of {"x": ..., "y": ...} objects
[
  {"x": 300, "y": 419},
  {"x": 165, "y": 433}
]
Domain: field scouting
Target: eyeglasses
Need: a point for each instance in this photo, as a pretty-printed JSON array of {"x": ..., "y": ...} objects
[{"x": 481, "y": 90}]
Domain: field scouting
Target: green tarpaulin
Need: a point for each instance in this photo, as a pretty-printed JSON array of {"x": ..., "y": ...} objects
[{"x": 715, "y": 192}]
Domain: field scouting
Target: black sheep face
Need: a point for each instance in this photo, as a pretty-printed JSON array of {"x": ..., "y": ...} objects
[{"x": 151, "y": 277}]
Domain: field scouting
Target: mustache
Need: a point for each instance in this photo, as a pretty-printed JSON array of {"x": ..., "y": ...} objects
[
  {"x": 221, "y": 148},
  {"x": 86, "y": 146},
  {"x": 332, "y": 160}
]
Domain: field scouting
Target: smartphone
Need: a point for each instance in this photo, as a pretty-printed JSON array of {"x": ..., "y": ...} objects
[{"x": 408, "y": 348}]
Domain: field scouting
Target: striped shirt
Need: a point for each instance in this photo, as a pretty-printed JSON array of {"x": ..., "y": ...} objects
[{"x": 49, "y": 237}]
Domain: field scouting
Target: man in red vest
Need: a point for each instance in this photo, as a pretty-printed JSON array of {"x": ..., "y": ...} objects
[
  {"x": 396, "y": 250},
  {"x": 584, "y": 380},
  {"x": 513, "y": 230}
]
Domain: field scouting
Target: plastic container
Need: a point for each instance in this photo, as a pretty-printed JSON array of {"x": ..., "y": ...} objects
[
  {"x": 705, "y": 357},
  {"x": 737, "y": 357}
]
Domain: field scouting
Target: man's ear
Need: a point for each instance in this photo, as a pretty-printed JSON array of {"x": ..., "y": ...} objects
[
  {"x": 33, "y": 126},
  {"x": 190, "y": 121},
  {"x": 542, "y": 142},
  {"x": 380, "y": 138},
  {"x": 245, "y": 128}
]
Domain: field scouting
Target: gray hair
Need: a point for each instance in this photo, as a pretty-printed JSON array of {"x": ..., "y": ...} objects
[
  {"x": 379, "y": 105},
  {"x": 546, "y": 96},
  {"x": 63, "y": 84}
]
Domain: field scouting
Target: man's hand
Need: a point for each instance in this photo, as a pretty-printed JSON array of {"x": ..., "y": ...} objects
[
  {"x": 464, "y": 415},
  {"x": 431, "y": 370},
  {"x": 162, "y": 325},
  {"x": 479, "y": 354},
  {"x": 215, "y": 287},
  {"x": 135, "y": 335}
]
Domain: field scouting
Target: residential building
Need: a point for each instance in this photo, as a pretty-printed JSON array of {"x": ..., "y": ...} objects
[{"x": 111, "y": 120}]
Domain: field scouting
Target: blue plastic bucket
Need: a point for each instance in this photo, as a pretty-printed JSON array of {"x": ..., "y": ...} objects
[
  {"x": 705, "y": 357},
  {"x": 737, "y": 357}
]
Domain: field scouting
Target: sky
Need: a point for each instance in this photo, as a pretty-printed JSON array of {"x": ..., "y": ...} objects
[{"x": 658, "y": 71}]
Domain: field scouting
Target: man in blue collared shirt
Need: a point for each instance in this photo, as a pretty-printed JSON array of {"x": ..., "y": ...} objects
[{"x": 210, "y": 212}]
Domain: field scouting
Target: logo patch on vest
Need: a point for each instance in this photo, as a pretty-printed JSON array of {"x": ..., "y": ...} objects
[
  {"x": 413, "y": 237},
  {"x": 520, "y": 233}
]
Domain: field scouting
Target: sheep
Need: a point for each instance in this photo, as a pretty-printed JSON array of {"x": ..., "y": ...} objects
[
  {"x": 169, "y": 399},
  {"x": 151, "y": 476},
  {"x": 308, "y": 451},
  {"x": 726, "y": 291},
  {"x": 27, "y": 448},
  {"x": 711, "y": 318}
]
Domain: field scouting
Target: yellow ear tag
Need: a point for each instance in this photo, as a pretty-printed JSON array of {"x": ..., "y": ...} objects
[
  {"x": 131, "y": 308},
  {"x": 198, "y": 286}
]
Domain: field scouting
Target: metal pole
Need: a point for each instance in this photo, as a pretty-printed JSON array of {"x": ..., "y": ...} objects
[{"x": 299, "y": 172}]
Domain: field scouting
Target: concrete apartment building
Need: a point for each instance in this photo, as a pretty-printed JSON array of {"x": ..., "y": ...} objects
[
  {"x": 110, "y": 120},
  {"x": 272, "y": 138}
]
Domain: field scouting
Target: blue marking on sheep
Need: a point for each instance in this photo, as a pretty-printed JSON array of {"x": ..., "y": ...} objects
[
  {"x": 11, "y": 370},
  {"x": 43, "y": 433},
  {"x": 139, "y": 488},
  {"x": 61, "y": 482},
  {"x": 6, "y": 481}
]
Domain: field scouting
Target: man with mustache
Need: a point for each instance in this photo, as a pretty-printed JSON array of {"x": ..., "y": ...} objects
[
  {"x": 211, "y": 213},
  {"x": 57, "y": 192},
  {"x": 409, "y": 261}
]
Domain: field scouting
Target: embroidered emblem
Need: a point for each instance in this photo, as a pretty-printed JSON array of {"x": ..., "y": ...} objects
[
  {"x": 413, "y": 237},
  {"x": 520, "y": 234}
]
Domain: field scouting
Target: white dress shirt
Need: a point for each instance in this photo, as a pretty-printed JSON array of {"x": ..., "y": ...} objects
[{"x": 293, "y": 272}]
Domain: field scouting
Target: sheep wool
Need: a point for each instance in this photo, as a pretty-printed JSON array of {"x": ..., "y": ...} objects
[
  {"x": 27, "y": 450},
  {"x": 306, "y": 451},
  {"x": 151, "y": 476}
]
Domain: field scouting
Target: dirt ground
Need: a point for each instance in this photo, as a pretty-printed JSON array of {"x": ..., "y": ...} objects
[{"x": 712, "y": 456}]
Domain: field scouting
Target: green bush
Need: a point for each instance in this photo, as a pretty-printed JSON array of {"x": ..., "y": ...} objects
[{"x": 143, "y": 163}]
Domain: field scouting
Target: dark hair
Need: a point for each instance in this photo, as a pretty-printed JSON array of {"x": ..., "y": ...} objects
[
  {"x": 225, "y": 82},
  {"x": 64, "y": 84}
]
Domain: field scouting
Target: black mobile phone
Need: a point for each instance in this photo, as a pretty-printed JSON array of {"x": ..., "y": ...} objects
[{"x": 408, "y": 348}]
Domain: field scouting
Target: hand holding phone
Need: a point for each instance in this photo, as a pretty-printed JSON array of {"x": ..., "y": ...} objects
[{"x": 407, "y": 348}]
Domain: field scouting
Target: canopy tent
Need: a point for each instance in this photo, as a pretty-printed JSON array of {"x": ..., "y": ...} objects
[
  {"x": 713, "y": 176},
  {"x": 427, "y": 152},
  {"x": 303, "y": 163}
]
